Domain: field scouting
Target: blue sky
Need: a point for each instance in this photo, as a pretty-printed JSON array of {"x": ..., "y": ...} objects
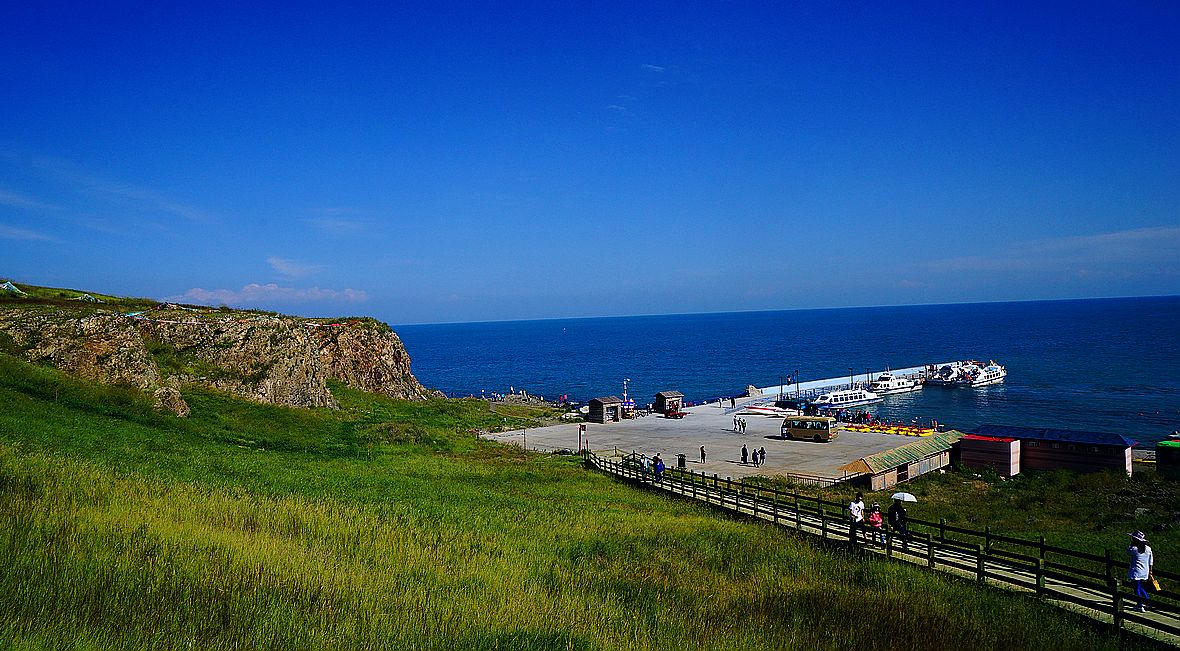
[{"x": 433, "y": 162}]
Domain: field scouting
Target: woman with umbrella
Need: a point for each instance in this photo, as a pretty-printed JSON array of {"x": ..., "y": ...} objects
[{"x": 899, "y": 520}]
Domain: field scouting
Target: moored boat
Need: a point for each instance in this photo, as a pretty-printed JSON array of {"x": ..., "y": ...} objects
[
  {"x": 846, "y": 398},
  {"x": 887, "y": 384},
  {"x": 966, "y": 374},
  {"x": 975, "y": 375}
]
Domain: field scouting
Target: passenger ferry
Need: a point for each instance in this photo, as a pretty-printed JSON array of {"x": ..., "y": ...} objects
[
  {"x": 976, "y": 376},
  {"x": 846, "y": 398},
  {"x": 966, "y": 374},
  {"x": 887, "y": 384}
]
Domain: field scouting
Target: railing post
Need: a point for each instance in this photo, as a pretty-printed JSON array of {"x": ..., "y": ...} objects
[
  {"x": 798, "y": 524},
  {"x": 692, "y": 476},
  {"x": 823, "y": 524},
  {"x": 942, "y": 531},
  {"x": 889, "y": 543},
  {"x": 1040, "y": 569},
  {"x": 980, "y": 569},
  {"x": 1109, "y": 566},
  {"x": 775, "y": 511},
  {"x": 1042, "y": 547},
  {"x": 930, "y": 550},
  {"x": 987, "y": 539},
  {"x": 1116, "y": 602}
]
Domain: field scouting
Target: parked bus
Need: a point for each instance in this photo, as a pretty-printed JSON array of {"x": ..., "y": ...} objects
[{"x": 810, "y": 428}]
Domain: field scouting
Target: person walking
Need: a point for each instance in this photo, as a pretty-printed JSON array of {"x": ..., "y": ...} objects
[
  {"x": 745, "y": 455},
  {"x": 898, "y": 523},
  {"x": 762, "y": 456},
  {"x": 659, "y": 468},
  {"x": 702, "y": 454},
  {"x": 876, "y": 522},
  {"x": 1139, "y": 571},
  {"x": 856, "y": 517}
]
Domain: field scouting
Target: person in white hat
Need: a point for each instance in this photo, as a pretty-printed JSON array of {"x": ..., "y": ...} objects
[{"x": 1139, "y": 571}]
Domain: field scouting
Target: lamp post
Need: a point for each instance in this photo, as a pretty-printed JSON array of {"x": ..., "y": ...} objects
[
  {"x": 850, "y": 382},
  {"x": 796, "y": 383},
  {"x": 780, "y": 387}
]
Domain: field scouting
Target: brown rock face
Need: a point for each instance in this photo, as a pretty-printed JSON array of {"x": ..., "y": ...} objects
[
  {"x": 370, "y": 357},
  {"x": 271, "y": 359},
  {"x": 101, "y": 347}
]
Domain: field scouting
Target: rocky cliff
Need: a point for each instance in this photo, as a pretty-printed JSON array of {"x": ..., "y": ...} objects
[{"x": 264, "y": 357}]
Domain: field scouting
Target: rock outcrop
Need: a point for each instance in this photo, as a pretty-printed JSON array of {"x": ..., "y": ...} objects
[{"x": 268, "y": 358}]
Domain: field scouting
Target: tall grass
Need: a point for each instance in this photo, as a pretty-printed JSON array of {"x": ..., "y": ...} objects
[{"x": 121, "y": 529}]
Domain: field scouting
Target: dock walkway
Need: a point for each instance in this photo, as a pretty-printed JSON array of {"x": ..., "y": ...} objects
[{"x": 1083, "y": 583}]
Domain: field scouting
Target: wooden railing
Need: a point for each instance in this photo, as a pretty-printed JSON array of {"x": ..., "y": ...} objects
[{"x": 1058, "y": 574}]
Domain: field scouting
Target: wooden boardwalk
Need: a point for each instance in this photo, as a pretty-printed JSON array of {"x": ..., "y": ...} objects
[{"x": 1081, "y": 582}]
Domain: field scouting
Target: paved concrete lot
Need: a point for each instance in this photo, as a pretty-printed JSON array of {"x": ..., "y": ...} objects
[{"x": 711, "y": 426}]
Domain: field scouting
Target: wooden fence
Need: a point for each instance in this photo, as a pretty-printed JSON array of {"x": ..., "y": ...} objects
[{"x": 1061, "y": 575}]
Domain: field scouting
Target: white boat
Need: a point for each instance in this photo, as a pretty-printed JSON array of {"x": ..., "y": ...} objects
[
  {"x": 946, "y": 375},
  {"x": 966, "y": 374},
  {"x": 768, "y": 410},
  {"x": 846, "y": 398},
  {"x": 887, "y": 384},
  {"x": 975, "y": 375}
]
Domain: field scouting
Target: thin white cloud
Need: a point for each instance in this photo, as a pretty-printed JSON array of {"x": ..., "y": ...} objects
[
  {"x": 292, "y": 269},
  {"x": 122, "y": 195},
  {"x": 336, "y": 225},
  {"x": 12, "y": 233},
  {"x": 15, "y": 200},
  {"x": 270, "y": 294},
  {"x": 616, "y": 107},
  {"x": 651, "y": 67},
  {"x": 1132, "y": 249},
  {"x": 1155, "y": 237}
]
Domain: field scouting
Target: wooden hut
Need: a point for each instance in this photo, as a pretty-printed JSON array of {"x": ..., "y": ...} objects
[
  {"x": 891, "y": 467},
  {"x": 1049, "y": 449},
  {"x": 1167, "y": 459},
  {"x": 605, "y": 410},
  {"x": 1001, "y": 453},
  {"x": 669, "y": 401}
]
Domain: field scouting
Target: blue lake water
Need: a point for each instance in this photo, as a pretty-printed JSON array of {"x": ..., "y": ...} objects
[{"x": 1099, "y": 364}]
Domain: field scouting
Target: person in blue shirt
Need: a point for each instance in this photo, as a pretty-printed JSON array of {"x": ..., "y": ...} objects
[
  {"x": 659, "y": 468},
  {"x": 1139, "y": 571}
]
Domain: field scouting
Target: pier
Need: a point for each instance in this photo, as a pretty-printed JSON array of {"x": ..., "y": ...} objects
[{"x": 813, "y": 388}]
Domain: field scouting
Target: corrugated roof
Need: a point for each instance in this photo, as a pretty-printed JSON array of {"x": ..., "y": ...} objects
[
  {"x": 1060, "y": 435},
  {"x": 670, "y": 394},
  {"x": 608, "y": 400},
  {"x": 981, "y": 437},
  {"x": 909, "y": 453}
]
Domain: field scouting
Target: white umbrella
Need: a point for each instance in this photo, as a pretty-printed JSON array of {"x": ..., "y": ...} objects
[{"x": 905, "y": 497}]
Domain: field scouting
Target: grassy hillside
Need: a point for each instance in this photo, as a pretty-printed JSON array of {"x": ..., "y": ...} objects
[{"x": 387, "y": 524}]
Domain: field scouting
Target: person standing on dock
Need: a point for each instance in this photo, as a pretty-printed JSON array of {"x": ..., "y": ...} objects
[
  {"x": 745, "y": 455},
  {"x": 1139, "y": 572},
  {"x": 762, "y": 456},
  {"x": 702, "y": 454}
]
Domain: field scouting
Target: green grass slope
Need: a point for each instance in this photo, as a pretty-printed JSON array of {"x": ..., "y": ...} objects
[{"x": 388, "y": 525}]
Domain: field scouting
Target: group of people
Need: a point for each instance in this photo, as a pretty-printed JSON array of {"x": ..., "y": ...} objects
[
  {"x": 739, "y": 425},
  {"x": 758, "y": 458},
  {"x": 872, "y": 522}
]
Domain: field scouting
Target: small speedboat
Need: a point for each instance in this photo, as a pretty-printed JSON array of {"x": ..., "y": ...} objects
[{"x": 768, "y": 410}]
